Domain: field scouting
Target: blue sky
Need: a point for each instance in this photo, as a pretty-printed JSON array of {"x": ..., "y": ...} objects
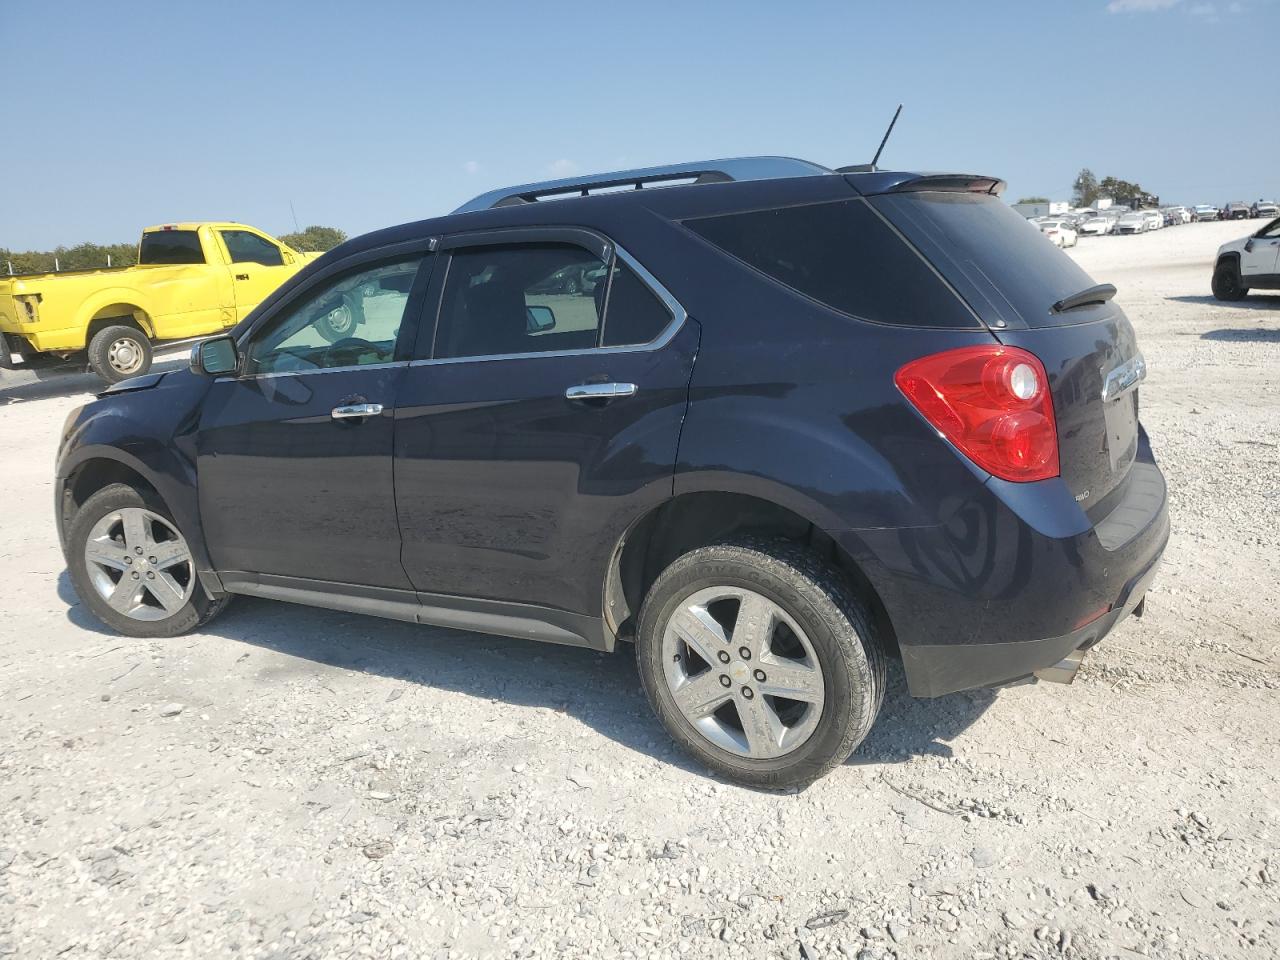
[{"x": 367, "y": 114}]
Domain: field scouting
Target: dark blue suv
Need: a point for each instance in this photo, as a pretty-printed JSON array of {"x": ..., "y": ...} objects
[{"x": 800, "y": 420}]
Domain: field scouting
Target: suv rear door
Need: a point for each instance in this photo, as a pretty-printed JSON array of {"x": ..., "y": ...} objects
[{"x": 536, "y": 423}]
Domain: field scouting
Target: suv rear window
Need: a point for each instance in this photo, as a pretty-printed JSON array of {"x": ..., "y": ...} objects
[
  {"x": 842, "y": 255},
  {"x": 990, "y": 253},
  {"x": 171, "y": 246}
]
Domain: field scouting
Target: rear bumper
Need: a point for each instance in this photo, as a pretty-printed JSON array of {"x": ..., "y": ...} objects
[
  {"x": 935, "y": 669},
  {"x": 1015, "y": 581}
]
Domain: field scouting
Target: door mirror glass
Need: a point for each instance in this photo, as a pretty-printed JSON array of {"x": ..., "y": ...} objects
[
  {"x": 539, "y": 318},
  {"x": 215, "y": 357}
]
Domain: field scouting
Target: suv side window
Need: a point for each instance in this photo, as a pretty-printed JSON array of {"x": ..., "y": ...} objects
[
  {"x": 353, "y": 320},
  {"x": 634, "y": 314},
  {"x": 520, "y": 298},
  {"x": 246, "y": 247},
  {"x": 843, "y": 256}
]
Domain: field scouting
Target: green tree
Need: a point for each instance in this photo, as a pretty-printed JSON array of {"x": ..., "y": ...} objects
[
  {"x": 314, "y": 239},
  {"x": 1130, "y": 194},
  {"x": 1034, "y": 200},
  {"x": 1087, "y": 190},
  {"x": 84, "y": 256}
]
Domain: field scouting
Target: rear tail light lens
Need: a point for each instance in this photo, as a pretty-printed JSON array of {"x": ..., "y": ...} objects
[{"x": 992, "y": 403}]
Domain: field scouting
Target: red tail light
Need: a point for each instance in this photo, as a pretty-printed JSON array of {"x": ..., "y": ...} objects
[{"x": 993, "y": 403}]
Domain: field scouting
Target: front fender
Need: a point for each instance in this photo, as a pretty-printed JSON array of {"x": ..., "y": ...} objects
[{"x": 151, "y": 432}]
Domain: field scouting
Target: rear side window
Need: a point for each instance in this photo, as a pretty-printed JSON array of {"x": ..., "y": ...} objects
[
  {"x": 522, "y": 298},
  {"x": 981, "y": 244},
  {"x": 842, "y": 255},
  {"x": 246, "y": 247},
  {"x": 171, "y": 246}
]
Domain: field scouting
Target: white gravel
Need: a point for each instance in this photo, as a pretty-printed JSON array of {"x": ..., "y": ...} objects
[{"x": 302, "y": 783}]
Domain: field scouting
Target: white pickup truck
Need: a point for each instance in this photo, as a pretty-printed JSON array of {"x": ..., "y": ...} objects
[{"x": 1250, "y": 263}]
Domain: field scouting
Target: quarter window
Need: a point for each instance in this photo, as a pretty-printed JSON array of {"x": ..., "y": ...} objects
[
  {"x": 525, "y": 298},
  {"x": 246, "y": 247},
  {"x": 634, "y": 315},
  {"x": 352, "y": 321}
]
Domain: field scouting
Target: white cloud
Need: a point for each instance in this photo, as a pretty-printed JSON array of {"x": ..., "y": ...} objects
[
  {"x": 1139, "y": 6},
  {"x": 471, "y": 167},
  {"x": 562, "y": 168}
]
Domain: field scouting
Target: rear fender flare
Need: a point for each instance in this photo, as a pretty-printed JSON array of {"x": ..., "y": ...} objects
[{"x": 138, "y": 306}]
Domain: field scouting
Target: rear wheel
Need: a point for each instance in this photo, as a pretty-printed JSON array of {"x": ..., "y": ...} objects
[
  {"x": 132, "y": 567},
  {"x": 760, "y": 662},
  {"x": 118, "y": 352},
  {"x": 1227, "y": 284}
]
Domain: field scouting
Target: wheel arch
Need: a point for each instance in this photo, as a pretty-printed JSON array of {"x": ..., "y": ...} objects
[
  {"x": 696, "y": 519},
  {"x": 122, "y": 306},
  {"x": 93, "y": 467}
]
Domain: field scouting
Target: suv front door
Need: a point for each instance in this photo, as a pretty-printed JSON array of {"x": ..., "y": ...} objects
[
  {"x": 294, "y": 452},
  {"x": 529, "y": 433},
  {"x": 1261, "y": 253}
]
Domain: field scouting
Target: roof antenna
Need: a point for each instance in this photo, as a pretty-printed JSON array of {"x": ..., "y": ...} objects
[{"x": 870, "y": 167}]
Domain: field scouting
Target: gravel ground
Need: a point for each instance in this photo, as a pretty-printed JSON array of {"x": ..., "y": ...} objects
[{"x": 301, "y": 783}]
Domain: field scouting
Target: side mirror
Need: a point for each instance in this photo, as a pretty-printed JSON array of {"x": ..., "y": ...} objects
[
  {"x": 1248, "y": 245},
  {"x": 215, "y": 356},
  {"x": 539, "y": 319}
]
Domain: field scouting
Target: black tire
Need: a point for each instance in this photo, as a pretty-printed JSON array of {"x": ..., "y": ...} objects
[
  {"x": 107, "y": 346},
  {"x": 347, "y": 322},
  {"x": 1227, "y": 285},
  {"x": 199, "y": 608},
  {"x": 837, "y": 623}
]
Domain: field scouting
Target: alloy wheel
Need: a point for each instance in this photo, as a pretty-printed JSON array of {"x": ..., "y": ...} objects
[
  {"x": 742, "y": 672},
  {"x": 139, "y": 564}
]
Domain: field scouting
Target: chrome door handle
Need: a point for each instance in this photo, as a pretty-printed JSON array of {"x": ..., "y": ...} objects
[
  {"x": 356, "y": 411},
  {"x": 600, "y": 391}
]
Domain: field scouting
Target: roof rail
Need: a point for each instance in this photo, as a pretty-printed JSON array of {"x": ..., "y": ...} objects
[{"x": 705, "y": 171}]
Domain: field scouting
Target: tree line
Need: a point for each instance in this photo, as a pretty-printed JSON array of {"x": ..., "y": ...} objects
[
  {"x": 90, "y": 256},
  {"x": 1088, "y": 190}
]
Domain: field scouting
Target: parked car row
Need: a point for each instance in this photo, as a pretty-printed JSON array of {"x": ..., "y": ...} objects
[{"x": 1065, "y": 229}]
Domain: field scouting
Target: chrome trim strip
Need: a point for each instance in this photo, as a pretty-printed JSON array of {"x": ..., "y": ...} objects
[
  {"x": 308, "y": 373},
  {"x": 1124, "y": 378}
]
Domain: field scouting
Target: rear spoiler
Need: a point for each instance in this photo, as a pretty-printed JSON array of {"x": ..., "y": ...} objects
[{"x": 870, "y": 183}]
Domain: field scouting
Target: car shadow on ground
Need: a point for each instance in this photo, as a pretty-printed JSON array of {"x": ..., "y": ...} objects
[
  {"x": 1243, "y": 335},
  {"x": 1255, "y": 301},
  {"x": 601, "y": 690}
]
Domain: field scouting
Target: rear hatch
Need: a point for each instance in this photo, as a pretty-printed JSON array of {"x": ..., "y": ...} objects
[{"x": 1013, "y": 277}]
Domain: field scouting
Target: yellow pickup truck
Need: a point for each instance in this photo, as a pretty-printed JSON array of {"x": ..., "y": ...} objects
[{"x": 192, "y": 279}]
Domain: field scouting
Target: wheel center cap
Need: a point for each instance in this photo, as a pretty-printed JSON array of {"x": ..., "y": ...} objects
[{"x": 739, "y": 672}]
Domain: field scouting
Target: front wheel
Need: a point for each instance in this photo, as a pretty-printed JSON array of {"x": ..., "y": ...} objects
[
  {"x": 760, "y": 662},
  {"x": 1227, "y": 284},
  {"x": 132, "y": 567},
  {"x": 118, "y": 352}
]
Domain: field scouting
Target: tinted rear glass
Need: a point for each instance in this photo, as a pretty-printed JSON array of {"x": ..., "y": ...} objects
[
  {"x": 991, "y": 254},
  {"x": 842, "y": 255},
  {"x": 171, "y": 246}
]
